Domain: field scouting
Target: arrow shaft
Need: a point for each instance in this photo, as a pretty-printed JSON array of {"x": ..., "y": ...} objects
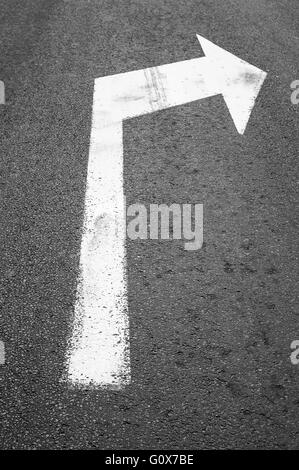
[
  {"x": 99, "y": 345},
  {"x": 132, "y": 94}
]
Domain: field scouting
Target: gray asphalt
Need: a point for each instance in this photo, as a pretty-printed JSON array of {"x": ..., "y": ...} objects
[{"x": 210, "y": 329}]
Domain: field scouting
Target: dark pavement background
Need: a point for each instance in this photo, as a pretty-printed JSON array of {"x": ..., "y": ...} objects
[{"x": 210, "y": 329}]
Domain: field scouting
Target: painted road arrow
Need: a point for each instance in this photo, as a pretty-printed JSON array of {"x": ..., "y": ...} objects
[{"x": 98, "y": 352}]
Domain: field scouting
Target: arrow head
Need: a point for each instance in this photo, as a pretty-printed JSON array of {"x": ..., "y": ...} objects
[{"x": 239, "y": 81}]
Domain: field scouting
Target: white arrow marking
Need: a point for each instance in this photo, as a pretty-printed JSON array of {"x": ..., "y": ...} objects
[{"x": 99, "y": 347}]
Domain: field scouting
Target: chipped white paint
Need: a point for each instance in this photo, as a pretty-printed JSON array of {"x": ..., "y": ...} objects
[{"x": 99, "y": 347}]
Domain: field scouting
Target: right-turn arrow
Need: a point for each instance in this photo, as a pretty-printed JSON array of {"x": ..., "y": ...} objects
[{"x": 99, "y": 352}]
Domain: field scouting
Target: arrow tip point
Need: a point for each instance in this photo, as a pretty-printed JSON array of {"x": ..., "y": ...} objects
[{"x": 240, "y": 82}]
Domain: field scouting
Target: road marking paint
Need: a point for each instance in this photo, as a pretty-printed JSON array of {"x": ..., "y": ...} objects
[{"x": 98, "y": 352}]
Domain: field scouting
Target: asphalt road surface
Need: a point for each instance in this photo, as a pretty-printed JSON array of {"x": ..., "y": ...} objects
[{"x": 210, "y": 329}]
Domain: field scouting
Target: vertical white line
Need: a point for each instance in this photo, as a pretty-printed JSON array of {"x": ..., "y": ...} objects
[{"x": 99, "y": 349}]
